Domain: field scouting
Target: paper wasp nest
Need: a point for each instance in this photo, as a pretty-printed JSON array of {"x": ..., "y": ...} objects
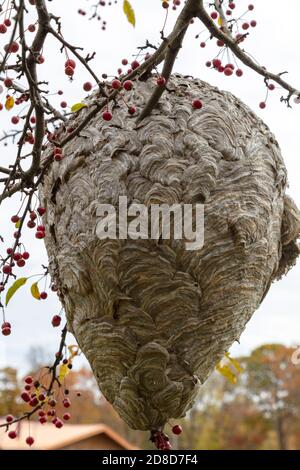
[{"x": 153, "y": 318}]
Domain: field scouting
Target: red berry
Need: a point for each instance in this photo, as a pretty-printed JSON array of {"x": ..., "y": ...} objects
[
  {"x": 66, "y": 403},
  {"x": 197, "y": 104},
  {"x": 29, "y": 441},
  {"x": 202, "y": 44},
  {"x": 7, "y": 269},
  {"x": 57, "y": 151},
  {"x": 58, "y": 423},
  {"x": 63, "y": 104},
  {"x": 12, "y": 434},
  {"x": 15, "y": 120},
  {"x": 124, "y": 62},
  {"x": 107, "y": 116},
  {"x": 262, "y": 105},
  {"x": 214, "y": 15},
  {"x": 42, "y": 420},
  {"x": 25, "y": 396},
  {"x": 161, "y": 81},
  {"x": 8, "y": 82},
  {"x": 128, "y": 85},
  {"x": 14, "y": 47},
  {"x": 177, "y": 429},
  {"x": 6, "y": 324},
  {"x": 28, "y": 380},
  {"x": 132, "y": 110},
  {"x": 33, "y": 402},
  {"x": 135, "y": 64},
  {"x": 43, "y": 295},
  {"x": 87, "y": 86},
  {"x": 239, "y": 72},
  {"x": 70, "y": 63},
  {"x": 253, "y": 23},
  {"x": 40, "y": 235},
  {"x": 41, "y": 210},
  {"x": 217, "y": 63},
  {"x": 15, "y": 219},
  {"x": 66, "y": 416},
  {"x": 6, "y": 331},
  {"x": 9, "y": 418},
  {"x": 116, "y": 84},
  {"x": 167, "y": 446},
  {"x": 31, "y": 28},
  {"x": 228, "y": 71},
  {"x": 21, "y": 263},
  {"x": 271, "y": 86},
  {"x": 7, "y": 22},
  {"x": 56, "y": 320},
  {"x": 165, "y": 4},
  {"x": 3, "y": 28},
  {"x": 69, "y": 71},
  {"x": 25, "y": 255}
]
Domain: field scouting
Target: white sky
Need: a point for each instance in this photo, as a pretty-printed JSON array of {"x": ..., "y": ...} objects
[{"x": 274, "y": 43}]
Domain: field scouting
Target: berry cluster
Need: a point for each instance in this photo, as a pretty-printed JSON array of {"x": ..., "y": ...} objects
[{"x": 44, "y": 399}]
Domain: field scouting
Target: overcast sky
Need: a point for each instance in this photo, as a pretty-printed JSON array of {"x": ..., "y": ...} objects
[{"x": 274, "y": 43}]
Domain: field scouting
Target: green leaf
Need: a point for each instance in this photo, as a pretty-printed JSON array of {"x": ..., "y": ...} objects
[
  {"x": 77, "y": 107},
  {"x": 13, "y": 289},
  {"x": 35, "y": 291},
  {"x": 129, "y": 12},
  {"x": 18, "y": 224}
]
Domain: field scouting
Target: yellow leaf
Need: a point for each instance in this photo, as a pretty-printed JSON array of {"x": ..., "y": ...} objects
[
  {"x": 63, "y": 371},
  {"x": 235, "y": 363},
  {"x": 220, "y": 22},
  {"x": 77, "y": 107},
  {"x": 35, "y": 291},
  {"x": 129, "y": 12},
  {"x": 18, "y": 224},
  {"x": 227, "y": 372},
  {"x": 73, "y": 350},
  {"x": 9, "y": 104},
  {"x": 12, "y": 290}
]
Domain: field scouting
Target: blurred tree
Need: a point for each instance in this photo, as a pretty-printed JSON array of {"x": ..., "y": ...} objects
[
  {"x": 10, "y": 402},
  {"x": 273, "y": 383}
]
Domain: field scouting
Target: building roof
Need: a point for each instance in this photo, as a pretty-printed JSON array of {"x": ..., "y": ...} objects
[{"x": 48, "y": 437}]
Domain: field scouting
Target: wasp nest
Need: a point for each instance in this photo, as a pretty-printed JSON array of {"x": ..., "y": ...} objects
[{"x": 152, "y": 317}]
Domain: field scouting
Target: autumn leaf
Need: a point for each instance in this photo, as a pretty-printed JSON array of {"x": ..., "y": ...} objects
[
  {"x": 73, "y": 350},
  {"x": 235, "y": 363},
  {"x": 227, "y": 372},
  {"x": 77, "y": 107},
  {"x": 63, "y": 371},
  {"x": 13, "y": 289},
  {"x": 129, "y": 12},
  {"x": 35, "y": 291},
  {"x": 9, "y": 104}
]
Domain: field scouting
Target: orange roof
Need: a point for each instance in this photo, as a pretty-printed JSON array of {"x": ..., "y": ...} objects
[{"x": 48, "y": 437}]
